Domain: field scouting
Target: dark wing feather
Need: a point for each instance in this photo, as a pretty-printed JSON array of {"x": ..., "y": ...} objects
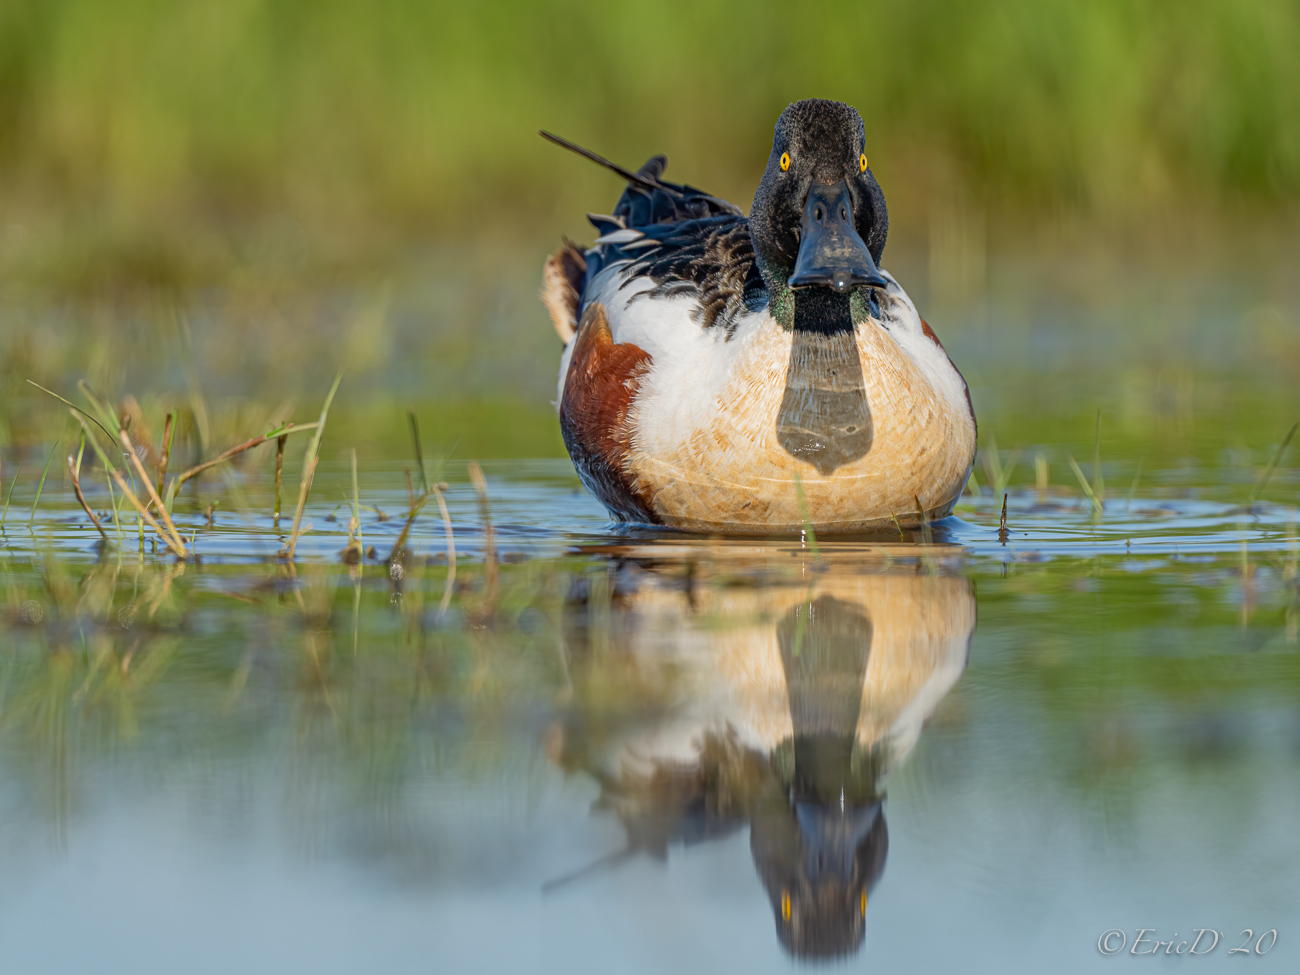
[
  {"x": 668, "y": 202},
  {"x": 711, "y": 260},
  {"x": 691, "y": 243}
]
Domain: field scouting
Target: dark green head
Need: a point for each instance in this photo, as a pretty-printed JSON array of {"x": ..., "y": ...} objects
[{"x": 819, "y": 219}]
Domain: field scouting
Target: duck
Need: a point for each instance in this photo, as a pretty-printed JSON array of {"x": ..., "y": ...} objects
[
  {"x": 789, "y": 721},
  {"x": 757, "y": 374}
]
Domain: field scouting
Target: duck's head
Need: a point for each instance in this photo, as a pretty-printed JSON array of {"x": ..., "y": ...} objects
[
  {"x": 819, "y": 218},
  {"x": 819, "y": 866}
]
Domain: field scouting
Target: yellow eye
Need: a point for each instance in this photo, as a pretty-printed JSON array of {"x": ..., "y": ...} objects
[
  {"x": 785, "y": 905},
  {"x": 862, "y": 163},
  {"x": 785, "y": 161},
  {"x": 864, "y": 898}
]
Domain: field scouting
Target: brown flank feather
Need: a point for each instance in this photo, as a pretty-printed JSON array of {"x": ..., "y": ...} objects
[
  {"x": 561, "y": 284},
  {"x": 929, "y": 333},
  {"x": 603, "y": 379}
]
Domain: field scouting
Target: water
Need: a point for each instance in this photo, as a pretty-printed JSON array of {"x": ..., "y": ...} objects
[
  {"x": 624, "y": 751},
  {"x": 627, "y": 751}
]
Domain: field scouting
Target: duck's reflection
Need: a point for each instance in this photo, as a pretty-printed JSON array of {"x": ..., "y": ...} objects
[{"x": 787, "y": 721}]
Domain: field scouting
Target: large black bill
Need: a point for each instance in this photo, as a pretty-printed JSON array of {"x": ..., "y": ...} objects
[
  {"x": 830, "y": 251},
  {"x": 831, "y": 837}
]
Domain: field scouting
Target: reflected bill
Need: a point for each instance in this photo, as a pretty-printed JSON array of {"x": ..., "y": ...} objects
[{"x": 787, "y": 721}]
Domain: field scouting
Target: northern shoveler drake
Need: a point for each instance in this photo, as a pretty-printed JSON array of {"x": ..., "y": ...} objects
[{"x": 733, "y": 374}]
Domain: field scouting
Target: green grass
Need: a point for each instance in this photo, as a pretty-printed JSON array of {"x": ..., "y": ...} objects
[{"x": 123, "y": 123}]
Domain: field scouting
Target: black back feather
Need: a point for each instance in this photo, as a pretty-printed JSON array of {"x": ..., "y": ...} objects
[{"x": 693, "y": 245}]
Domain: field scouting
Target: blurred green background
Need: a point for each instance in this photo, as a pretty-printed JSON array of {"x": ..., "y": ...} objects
[{"x": 233, "y": 199}]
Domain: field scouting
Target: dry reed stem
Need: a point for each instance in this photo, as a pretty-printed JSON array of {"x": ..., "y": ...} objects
[
  {"x": 76, "y": 489},
  {"x": 238, "y": 449},
  {"x": 127, "y": 493},
  {"x": 280, "y": 441},
  {"x": 451, "y": 548},
  {"x": 137, "y": 422},
  {"x": 166, "y": 454},
  {"x": 398, "y": 552},
  {"x": 354, "y": 553},
  {"x": 153, "y": 494},
  {"x": 304, "y": 488},
  {"x": 309, "y": 467},
  {"x": 175, "y": 545}
]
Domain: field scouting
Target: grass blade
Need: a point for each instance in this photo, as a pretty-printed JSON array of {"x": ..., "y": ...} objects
[
  {"x": 225, "y": 455},
  {"x": 1084, "y": 485},
  {"x": 165, "y": 456},
  {"x": 450, "y": 585},
  {"x": 153, "y": 494},
  {"x": 74, "y": 469},
  {"x": 41, "y": 487},
  {"x": 9, "y": 497},
  {"x": 73, "y": 405},
  {"x": 309, "y": 467},
  {"x": 106, "y": 415},
  {"x": 172, "y": 543},
  {"x": 1133, "y": 488},
  {"x": 1272, "y": 465},
  {"x": 356, "y": 545},
  {"x": 807, "y": 519},
  {"x": 419, "y": 450},
  {"x": 1098, "y": 485}
]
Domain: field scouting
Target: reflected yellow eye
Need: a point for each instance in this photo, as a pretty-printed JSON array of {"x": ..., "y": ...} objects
[
  {"x": 785, "y": 161},
  {"x": 785, "y": 894},
  {"x": 864, "y": 893},
  {"x": 862, "y": 168}
]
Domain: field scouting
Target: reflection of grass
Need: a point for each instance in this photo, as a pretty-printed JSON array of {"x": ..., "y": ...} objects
[
  {"x": 376, "y": 688},
  {"x": 1116, "y": 667}
]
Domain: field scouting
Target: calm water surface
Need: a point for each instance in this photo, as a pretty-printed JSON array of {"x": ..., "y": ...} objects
[{"x": 645, "y": 752}]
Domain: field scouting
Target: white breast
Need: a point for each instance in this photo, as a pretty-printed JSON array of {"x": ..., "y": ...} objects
[{"x": 705, "y": 418}]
